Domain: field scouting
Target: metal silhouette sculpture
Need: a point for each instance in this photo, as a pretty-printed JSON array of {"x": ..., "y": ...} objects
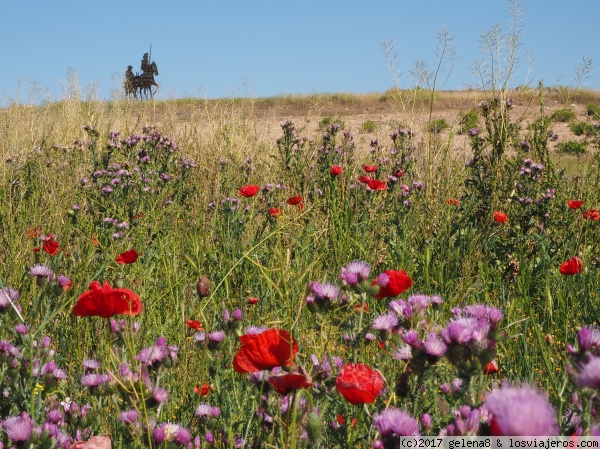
[{"x": 141, "y": 84}]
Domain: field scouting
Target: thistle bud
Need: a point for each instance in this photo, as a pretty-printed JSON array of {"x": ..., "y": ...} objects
[
  {"x": 314, "y": 427},
  {"x": 203, "y": 287}
]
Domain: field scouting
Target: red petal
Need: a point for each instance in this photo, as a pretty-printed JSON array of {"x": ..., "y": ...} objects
[
  {"x": 358, "y": 383},
  {"x": 51, "y": 247},
  {"x": 292, "y": 201},
  {"x": 249, "y": 190},
  {"x": 288, "y": 382},
  {"x": 107, "y": 301},
  {"x": 127, "y": 257},
  {"x": 266, "y": 350}
]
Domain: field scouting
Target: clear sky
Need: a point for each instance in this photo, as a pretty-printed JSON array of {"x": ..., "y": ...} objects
[{"x": 262, "y": 48}]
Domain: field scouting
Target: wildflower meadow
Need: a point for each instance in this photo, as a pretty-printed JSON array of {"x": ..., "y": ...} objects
[{"x": 196, "y": 284}]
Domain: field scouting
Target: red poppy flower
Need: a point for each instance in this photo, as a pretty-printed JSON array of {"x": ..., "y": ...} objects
[
  {"x": 376, "y": 184},
  {"x": 592, "y": 214},
  {"x": 452, "y": 201},
  {"x": 336, "y": 170},
  {"x": 107, "y": 301},
  {"x": 266, "y": 350},
  {"x": 95, "y": 241},
  {"x": 571, "y": 267},
  {"x": 203, "y": 390},
  {"x": 295, "y": 200},
  {"x": 340, "y": 419},
  {"x": 249, "y": 190},
  {"x": 252, "y": 300},
  {"x": 491, "y": 368},
  {"x": 398, "y": 173},
  {"x": 275, "y": 212},
  {"x": 194, "y": 324},
  {"x": 575, "y": 204},
  {"x": 285, "y": 383},
  {"x": 370, "y": 168},
  {"x": 365, "y": 179},
  {"x": 358, "y": 383},
  {"x": 50, "y": 246},
  {"x": 392, "y": 283},
  {"x": 127, "y": 257},
  {"x": 500, "y": 217}
]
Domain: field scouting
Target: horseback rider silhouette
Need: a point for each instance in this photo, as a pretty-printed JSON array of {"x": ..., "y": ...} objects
[
  {"x": 130, "y": 85},
  {"x": 145, "y": 64}
]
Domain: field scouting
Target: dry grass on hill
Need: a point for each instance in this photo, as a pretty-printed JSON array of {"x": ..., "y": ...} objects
[{"x": 196, "y": 123}]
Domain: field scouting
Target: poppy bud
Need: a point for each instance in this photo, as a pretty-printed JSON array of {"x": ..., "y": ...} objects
[
  {"x": 119, "y": 283},
  {"x": 203, "y": 286}
]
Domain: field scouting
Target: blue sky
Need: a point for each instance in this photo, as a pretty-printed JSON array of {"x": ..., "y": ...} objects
[{"x": 223, "y": 48}]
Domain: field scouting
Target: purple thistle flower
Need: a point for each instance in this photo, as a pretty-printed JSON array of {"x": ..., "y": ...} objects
[
  {"x": 41, "y": 271},
  {"x": 160, "y": 395},
  {"x": 355, "y": 272},
  {"x": 54, "y": 416},
  {"x": 434, "y": 346},
  {"x": 254, "y": 330},
  {"x": 457, "y": 384},
  {"x": 589, "y": 374},
  {"x": 394, "y": 423},
  {"x": 411, "y": 337},
  {"x": 403, "y": 353},
  {"x": 588, "y": 339},
  {"x": 370, "y": 336},
  {"x": 466, "y": 422},
  {"x": 418, "y": 303},
  {"x": 63, "y": 281},
  {"x": 182, "y": 436},
  {"x": 18, "y": 428},
  {"x": 209, "y": 437},
  {"x": 91, "y": 364},
  {"x": 325, "y": 291},
  {"x": 159, "y": 434},
  {"x": 93, "y": 380},
  {"x": 151, "y": 355},
  {"x": 128, "y": 416},
  {"x": 206, "y": 410},
  {"x": 323, "y": 295},
  {"x": 200, "y": 337},
  {"x": 8, "y": 295},
  {"x": 425, "y": 421},
  {"x": 159, "y": 353},
  {"x": 59, "y": 374},
  {"x": 521, "y": 412},
  {"x": 402, "y": 309},
  {"x": 215, "y": 338},
  {"x": 459, "y": 331},
  {"x": 386, "y": 322},
  {"x": 22, "y": 329},
  {"x": 238, "y": 442}
]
